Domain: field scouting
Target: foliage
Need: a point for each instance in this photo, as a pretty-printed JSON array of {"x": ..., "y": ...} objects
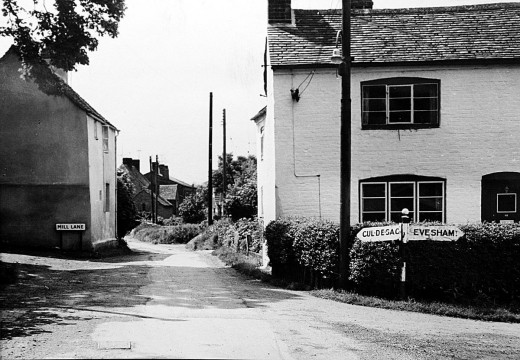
[
  {"x": 482, "y": 268},
  {"x": 179, "y": 234},
  {"x": 60, "y": 30},
  {"x": 173, "y": 220},
  {"x": 375, "y": 267},
  {"x": 126, "y": 211},
  {"x": 426, "y": 307},
  {"x": 205, "y": 241},
  {"x": 241, "y": 200},
  {"x": 193, "y": 208}
]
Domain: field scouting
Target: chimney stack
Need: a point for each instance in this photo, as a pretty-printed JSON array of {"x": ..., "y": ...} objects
[
  {"x": 163, "y": 170},
  {"x": 131, "y": 162},
  {"x": 362, "y": 4},
  {"x": 279, "y": 11}
]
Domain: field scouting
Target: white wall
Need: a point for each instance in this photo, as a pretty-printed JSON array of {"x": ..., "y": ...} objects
[
  {"x": 479, "y": 134},
  {"x": 102, "y": 170}
]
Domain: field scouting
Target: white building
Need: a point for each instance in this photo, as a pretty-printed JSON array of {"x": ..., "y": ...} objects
[{"x": 435, "y": 114}]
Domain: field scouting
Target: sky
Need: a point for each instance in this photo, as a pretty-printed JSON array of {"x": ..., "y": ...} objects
[{"x": 153, "y": 81}]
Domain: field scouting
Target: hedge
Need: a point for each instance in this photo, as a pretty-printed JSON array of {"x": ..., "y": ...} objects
[
  {"x": 483, "y": 266},
  {"x": 156, "y": 234}
]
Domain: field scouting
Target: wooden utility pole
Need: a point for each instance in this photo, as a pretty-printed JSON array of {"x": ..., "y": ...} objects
[
  {"x": 345, "y": 144},
  {"x": 210, "y": 162},
  {"x": 156, "y": 185},
  {"x": 152, "y": 188},
  {"x": 224, "y": 160}
]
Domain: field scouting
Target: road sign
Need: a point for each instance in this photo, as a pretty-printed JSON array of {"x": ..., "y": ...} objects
[
  {"x": 434, "y": 233},
  {"x": 380, "y": 233},
  {"x": 69, "y": 227}
]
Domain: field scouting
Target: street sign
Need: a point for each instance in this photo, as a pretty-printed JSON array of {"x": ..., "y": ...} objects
[
  {"x": 380, "y": 233},
  {"x": 70, "y": 227},
  {"x": 434, "y": 233}
]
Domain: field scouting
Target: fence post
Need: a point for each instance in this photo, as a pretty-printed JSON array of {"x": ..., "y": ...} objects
[{"x": 405, "y": 221}]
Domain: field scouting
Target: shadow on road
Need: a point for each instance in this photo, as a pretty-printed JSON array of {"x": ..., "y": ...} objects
[{"x": 49, "y": 290}]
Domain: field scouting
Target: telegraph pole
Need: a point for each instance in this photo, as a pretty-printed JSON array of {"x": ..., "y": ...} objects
[
  {"x": 156, "y": 185},
  {"x": 210, "y": 162},
  {"x": 345, "y": 144},
  {"x": 152, "y": 188},
  {"x": 224, "y": 160}
]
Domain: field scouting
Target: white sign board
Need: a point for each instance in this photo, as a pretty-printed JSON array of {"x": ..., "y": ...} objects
[
  {"x": 70, "y": 227},
  {"x": 435, "y": 233},
  {"x": 380, "y": 233}
]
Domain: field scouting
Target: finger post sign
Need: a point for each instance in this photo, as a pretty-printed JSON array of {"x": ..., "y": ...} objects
[{"x": 380, "y": 233}]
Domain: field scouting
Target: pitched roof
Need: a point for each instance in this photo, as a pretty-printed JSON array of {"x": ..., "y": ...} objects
[
  {"x": 68, "y": 92},
  {"x": 169, "y": 192},
  {"x": 379, "y": 36},
  {"x": 161, "y": 200},
  {"x": 138, "y": 179}
]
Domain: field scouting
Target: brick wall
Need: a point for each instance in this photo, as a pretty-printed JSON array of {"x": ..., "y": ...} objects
[{"x": 479, "y": 134}]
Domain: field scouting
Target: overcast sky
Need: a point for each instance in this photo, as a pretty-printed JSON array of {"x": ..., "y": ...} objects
[{"x": 153, "y": 81}]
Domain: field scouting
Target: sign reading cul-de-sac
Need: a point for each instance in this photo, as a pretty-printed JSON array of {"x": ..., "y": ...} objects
[
  {"x": 70, "y": 227},
  {"x": 380, "y": 233}
]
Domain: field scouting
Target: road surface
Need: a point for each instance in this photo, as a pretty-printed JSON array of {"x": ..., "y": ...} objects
[{"x": 164, "y": 301}]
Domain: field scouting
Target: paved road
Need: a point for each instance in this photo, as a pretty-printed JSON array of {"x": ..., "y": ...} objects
[{"x": 166, "y": 302}]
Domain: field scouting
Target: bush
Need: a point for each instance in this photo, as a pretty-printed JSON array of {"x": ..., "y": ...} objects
[
  {"x": 481, "y": 269},
  {"x": 316, "y": 246},
  {"x": 126, "y": 211},
  {"x": 179, "y": 234}
]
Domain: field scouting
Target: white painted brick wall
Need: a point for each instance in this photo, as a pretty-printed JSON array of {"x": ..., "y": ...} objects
[{"x": 479, "y": 134}]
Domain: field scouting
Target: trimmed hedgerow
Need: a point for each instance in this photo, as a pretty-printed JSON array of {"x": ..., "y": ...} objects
[
  {"x": 156, "y": 234},
  {"x": 279, "y": 235},
  {"x": 482, "y": 268},
  {"x": 316, "y": 246}
]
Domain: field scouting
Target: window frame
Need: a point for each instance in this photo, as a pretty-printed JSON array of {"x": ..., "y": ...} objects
[
  {"x": 416, "y": 180},
  {"x": 515, "y": 202},
  {"x": 106, "y": 138},
  {"x": 395, "y": 82}
]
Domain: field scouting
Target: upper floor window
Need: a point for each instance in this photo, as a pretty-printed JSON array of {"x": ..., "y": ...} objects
[
  {"x": 105, "y": 138},
  {"x": 400, "y": 103}
]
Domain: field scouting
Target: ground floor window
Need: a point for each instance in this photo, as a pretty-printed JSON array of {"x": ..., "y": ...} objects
[
  {"x": 383, "y": 198},
  {"x": 500, "y": 197}
]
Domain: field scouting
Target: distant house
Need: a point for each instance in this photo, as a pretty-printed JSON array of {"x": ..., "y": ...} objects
[
  {"x": 57, "y": 166},
  {"x": 142, "y": 196},
  {"x": 435, "y": 122},
  {"x": 171, "y": 191}
]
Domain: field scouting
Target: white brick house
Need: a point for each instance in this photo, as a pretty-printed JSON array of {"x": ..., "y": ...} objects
[{"x": 435, "y": 115}]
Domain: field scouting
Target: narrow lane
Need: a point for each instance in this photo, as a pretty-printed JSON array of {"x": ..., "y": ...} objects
[{"x": 166, "y": 302}]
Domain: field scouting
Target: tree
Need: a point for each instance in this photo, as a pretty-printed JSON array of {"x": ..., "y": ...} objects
[
  {"x": 61, "y": 31},
  {"x": 241, "y": 197},
  {"x": 126, "y": 210},
  {"x": 193, "y": 208}
]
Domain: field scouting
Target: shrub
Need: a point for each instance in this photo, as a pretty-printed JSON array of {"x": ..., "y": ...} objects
[
  {"x": 205, "y": 241},
  {"x": 126, "y": 211},
  {"x": 179, "y": 234},
  {"x": 481, "y": 269},
  {"x": 316, "y": 246},
  {"x": 251, "y": 227}
]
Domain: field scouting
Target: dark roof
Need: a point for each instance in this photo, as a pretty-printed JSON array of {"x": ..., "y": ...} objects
[
  {"x": 68, "y": 92},
  {"x": 161, "y": 200},
  {"x": 136, "y": 177},
  {"x": 379, "y": 36},
  {"x": 169, "y": 192}
]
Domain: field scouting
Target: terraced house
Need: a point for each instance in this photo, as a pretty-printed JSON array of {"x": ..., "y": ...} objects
[
  {"x": 435, "y": 114},
  {"x": 57, "y": 165}
]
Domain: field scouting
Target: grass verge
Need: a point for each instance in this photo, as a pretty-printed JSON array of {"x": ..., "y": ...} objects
[{"x": 435, "y": 308}]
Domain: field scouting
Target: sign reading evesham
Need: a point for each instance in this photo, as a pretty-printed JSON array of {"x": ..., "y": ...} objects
[
  {"x": 70, "y": 227},
  {"x": 435, "y": 233}
]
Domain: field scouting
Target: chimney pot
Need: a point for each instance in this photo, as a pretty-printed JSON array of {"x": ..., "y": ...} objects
[{"x": 362, "y": 4}]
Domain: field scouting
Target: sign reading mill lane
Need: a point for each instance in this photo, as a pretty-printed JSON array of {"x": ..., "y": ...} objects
[{"x": 70, "y": 227}]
